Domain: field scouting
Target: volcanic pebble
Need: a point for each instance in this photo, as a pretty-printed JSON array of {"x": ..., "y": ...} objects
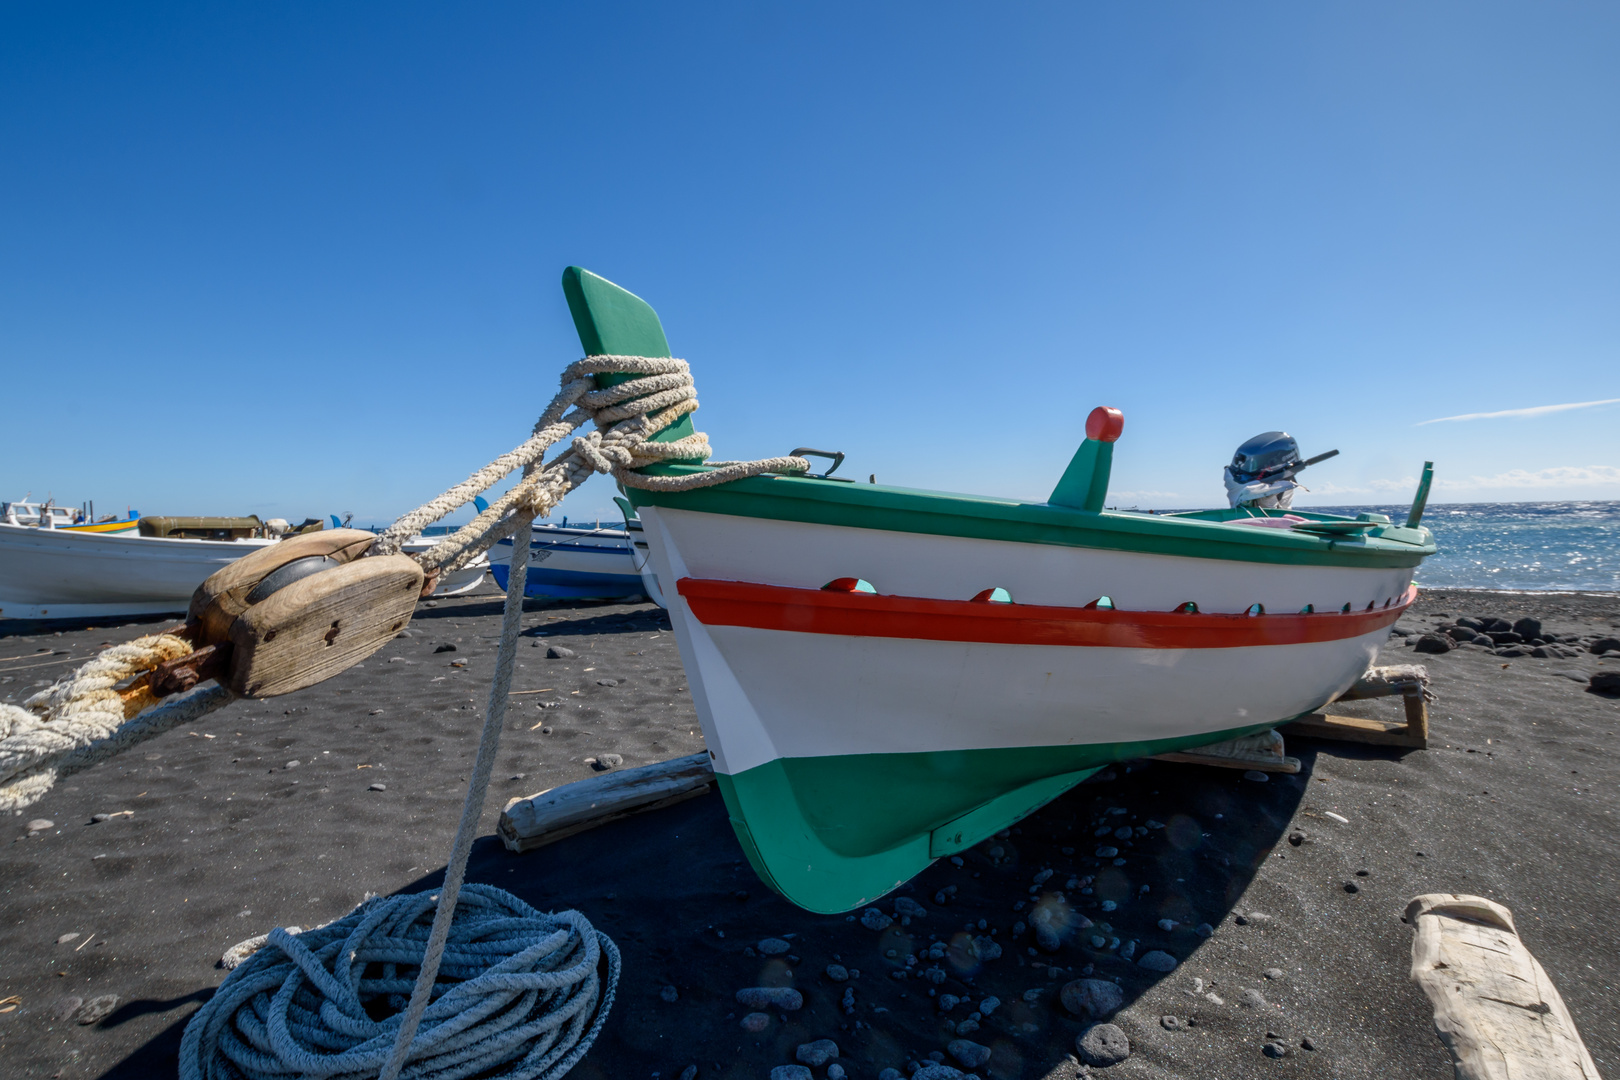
[
  {"x": 98, "y": 1008},
  {"x": 816, "y": 1054},
  {"x": 873, "y": 919},
  {"x": 969, "y": 1053},
  {"x": 1103, "y": 1045},
  {"x": 771, "y": 997},
  {"x": 755, "y": 1022},
  {"x": 1157, "y": 960},
  {"x": 1093, "y": 998}
]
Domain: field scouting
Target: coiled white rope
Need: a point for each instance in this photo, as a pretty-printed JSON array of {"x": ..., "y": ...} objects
[{"x": 517, "y": 988}]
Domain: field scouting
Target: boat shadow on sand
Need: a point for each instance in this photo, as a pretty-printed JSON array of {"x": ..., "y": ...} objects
[{"x": 673, "y": 890}]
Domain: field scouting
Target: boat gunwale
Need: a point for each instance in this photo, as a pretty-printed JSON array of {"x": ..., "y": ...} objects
[{"x": 872, "y": 506}]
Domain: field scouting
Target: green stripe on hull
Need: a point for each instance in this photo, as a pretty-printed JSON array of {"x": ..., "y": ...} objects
[
  {"x": 834, "y": 833},
  {"x": 871, "y": 506}
]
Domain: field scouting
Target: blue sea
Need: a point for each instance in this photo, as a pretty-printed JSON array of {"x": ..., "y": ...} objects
[{"x": 1529, "y": 547}]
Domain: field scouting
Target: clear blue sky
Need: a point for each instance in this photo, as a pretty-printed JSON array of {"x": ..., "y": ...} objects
[{"x": 303, "y": 258}]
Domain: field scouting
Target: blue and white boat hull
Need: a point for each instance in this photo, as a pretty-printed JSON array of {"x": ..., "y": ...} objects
[{"x": 574, "y": 564}]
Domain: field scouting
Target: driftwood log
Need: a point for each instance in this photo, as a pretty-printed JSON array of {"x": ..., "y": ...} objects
[
  {"x": 550, "y": 815},
  {"x": 1494, "y": 1007}
]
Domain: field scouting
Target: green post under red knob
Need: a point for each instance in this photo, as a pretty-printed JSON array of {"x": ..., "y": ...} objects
[{"x": 1084, "y": 485}]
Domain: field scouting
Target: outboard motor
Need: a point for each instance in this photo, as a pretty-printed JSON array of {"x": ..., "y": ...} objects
[{"x": 1262, "y": 471}]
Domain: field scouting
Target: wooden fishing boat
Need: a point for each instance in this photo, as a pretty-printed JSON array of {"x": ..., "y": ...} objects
[
  {"x": 71, "y": 574},
  {"x": 887, "y": 676}
]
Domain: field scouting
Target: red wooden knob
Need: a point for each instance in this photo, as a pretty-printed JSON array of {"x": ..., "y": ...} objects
[{"x": 1105, "y": 424}]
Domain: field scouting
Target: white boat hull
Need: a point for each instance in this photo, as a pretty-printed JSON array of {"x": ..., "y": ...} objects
[{"x": 66, "y": 574}]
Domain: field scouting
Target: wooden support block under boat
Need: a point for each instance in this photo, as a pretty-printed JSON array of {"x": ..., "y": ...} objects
[
  {"x": 1494, "y": 1006},
  {"x": 1409, "y": 681},
  {"x": 1262, "y": 753},
  {"x": 559, "y": 812}
]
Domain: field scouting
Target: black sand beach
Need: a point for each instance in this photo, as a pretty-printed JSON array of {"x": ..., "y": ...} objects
[{"x": 264, "y": 814}]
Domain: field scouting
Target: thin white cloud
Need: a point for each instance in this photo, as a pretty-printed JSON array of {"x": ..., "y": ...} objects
[
  {"x": 1560, "y": 477},
  {"x": 1534, "y": 410},
  {"x": 1144, "y": 495}
]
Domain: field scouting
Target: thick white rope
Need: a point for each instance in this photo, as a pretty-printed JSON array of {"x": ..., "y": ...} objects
[
  {"x": 626, "y": 416},
  {"x": 80, "y": 720}
]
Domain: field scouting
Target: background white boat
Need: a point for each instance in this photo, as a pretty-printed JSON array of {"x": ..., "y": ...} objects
[
  {"x": 465, "y": 580},
  {"x": 50, "y": 573},
  {"x": 67, "y": 574}
]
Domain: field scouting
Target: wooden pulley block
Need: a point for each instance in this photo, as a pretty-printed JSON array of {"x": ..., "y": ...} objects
[{"x": 299, "y": 612}]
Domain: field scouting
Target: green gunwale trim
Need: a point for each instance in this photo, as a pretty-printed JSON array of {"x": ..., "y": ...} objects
[
  {"x": 875, "y": 506},
  {"x": 834, "y": 833}
]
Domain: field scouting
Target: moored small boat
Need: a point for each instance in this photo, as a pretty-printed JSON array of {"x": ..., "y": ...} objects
[
  {"x": 887, "y": 676},
  {"x": 68, "y": 573},
  {"x": 572, "y": 563},
  {"x": 48, "y": 515}
]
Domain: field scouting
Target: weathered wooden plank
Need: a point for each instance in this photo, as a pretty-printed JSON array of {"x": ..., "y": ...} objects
[
  {"x": 1358, "y": 730},
  {"x": 1262, "y": 753},
  {"x": 1494, "y": 1006},
  {"x": 550, "y": 815}
]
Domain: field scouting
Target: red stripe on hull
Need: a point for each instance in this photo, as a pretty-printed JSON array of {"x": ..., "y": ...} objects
[{"x": 854, "y": 614}]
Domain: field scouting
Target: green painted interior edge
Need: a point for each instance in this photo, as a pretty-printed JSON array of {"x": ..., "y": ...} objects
[
  {"x": 612, "y": 320},
  {"x": 876, "y": 506},
  {"x": 833, "y": 833}
]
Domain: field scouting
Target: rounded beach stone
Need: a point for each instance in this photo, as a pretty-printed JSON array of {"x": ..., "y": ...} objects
[
  {"x": 1605, "y": 682},
  {"x": 1170, "y": 1023},
  {"x": 771, "y": 997},
  {"x": 378, "y": 787},
  {"x": 835, "y": 1071},
  {"x": 905, "y": 905},
  {"x": 559, "y": 652},
  {"x": 890, "y": 1074},
  {"x": 837, "y": 973},
  {"x": 1433, "y": 643},
  {"x": 97, "y": 1008},
  {"x": 1252, "y": 998},
  {"x": 936, "y": 1071},
  {"x": 755, "y": 1022},
  {"x": 1102, "y": 1045},
  {"x": 1257, "y": 776},
  {"x": 1092, "y": 998},
  {"x": 968, "y": 1052},
  {"x": 791, "y": 1072},
  {"x": 40, "y": 824},
  {"x": 774, "y": 946},
  {"x": 816, "y": 1054},
  {"x": 670, "y": 994},
  {"x": 1157, "y": 960},
  {"x": 873, "y": 919}
]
